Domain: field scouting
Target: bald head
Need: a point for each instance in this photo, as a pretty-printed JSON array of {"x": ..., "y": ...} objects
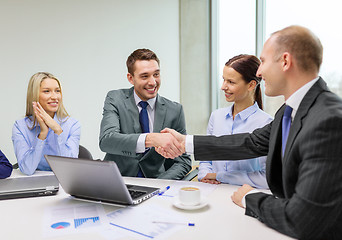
[{"x": 302, "y": 44}]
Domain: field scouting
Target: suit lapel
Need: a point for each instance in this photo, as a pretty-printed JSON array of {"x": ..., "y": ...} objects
[
  {"x": 302, "y": 111},
  {"x": 159, "y": 114},
  {"x": 133, "y": 110}
]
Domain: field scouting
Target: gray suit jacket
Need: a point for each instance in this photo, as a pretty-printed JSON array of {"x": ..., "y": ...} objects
[
  {"x": 120, "y": 129},
  {"x": 307, "y": 183}
]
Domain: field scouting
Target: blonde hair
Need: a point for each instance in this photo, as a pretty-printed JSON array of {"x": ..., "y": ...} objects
[{"x": 33, "y": 91}]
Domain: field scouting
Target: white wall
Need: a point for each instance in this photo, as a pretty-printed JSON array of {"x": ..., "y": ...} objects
[
  {"x": 85, "y": 43},
  {"x": 195, "y": 64}
]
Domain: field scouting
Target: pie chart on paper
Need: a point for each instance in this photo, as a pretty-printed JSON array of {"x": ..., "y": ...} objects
[{"x": 60, "y": 225}]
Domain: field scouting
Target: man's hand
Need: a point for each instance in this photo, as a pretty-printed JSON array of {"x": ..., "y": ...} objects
[
  {"x": 167, "y": 151},
  {"x": 164, "y": 141},
  {"x": 180, "y": 137},
  {"x": 240, "y": 193}
]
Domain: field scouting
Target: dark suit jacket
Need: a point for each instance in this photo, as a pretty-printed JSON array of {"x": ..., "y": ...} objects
[
  {"x": 307, "y": 183},
  {"x": 120, "y": 129},
  {"x": 5, "y": 166}
]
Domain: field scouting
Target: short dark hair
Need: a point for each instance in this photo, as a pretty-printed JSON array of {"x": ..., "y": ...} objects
[
  {"x": 247, "y": 66},
  {"x": 140, "y": 54}
]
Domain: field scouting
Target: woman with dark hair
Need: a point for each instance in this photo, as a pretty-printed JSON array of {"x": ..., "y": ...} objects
[{"x": 242, "y": 87}]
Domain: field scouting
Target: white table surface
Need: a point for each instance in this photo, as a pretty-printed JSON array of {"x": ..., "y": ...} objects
[{"x": 220, "y": 219}]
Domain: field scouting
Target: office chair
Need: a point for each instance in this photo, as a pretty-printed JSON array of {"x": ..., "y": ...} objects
[
  {"x": 84, "y": 153},
  {"x": 15, "y": 166}
]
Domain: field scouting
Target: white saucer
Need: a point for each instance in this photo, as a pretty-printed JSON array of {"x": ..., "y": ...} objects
[{"x": 178, "y": 204}]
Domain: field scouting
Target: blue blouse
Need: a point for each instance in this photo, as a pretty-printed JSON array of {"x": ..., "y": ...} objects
[
  {"x": 30, "y": 150},
  {"x": 251, "y": 171},
  {"x": 5, "y": 166}
]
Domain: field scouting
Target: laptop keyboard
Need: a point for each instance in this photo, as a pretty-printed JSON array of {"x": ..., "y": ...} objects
[{"x": 135, "y": 194}]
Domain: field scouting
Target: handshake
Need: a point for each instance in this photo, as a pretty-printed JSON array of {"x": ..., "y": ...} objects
[{"x": 168, "y": 143}]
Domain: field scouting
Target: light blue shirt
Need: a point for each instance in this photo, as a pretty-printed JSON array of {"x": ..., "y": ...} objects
[
  {"x": 30, "y": 150},
  {"x": 251, "y": 171}
]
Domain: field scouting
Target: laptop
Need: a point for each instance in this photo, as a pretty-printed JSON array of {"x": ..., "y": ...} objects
[
  {"x": 97, "y": 180},
  {"x": 28, "y": 186}
]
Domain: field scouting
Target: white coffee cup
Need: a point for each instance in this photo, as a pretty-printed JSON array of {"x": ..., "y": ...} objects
[{"x": 189, "y": 195}]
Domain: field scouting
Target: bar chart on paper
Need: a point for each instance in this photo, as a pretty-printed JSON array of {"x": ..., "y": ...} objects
[
  {"x": 86, "y": 222},
  {"x": 71, "y": 218}
]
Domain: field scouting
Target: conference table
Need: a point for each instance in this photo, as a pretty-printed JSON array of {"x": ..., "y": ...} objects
[{"x": 219, "y": 219}]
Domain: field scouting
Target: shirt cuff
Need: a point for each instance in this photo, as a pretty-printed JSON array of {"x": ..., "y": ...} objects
[
  {"x": 39, "y": 144},
  {"x": 220, "y": 176},
  {"x": 189, "y": 144},
  {"x": 61, "y": 137},
  {"x": 243, "y": 201},
  {"x": 141, "y": 143}
]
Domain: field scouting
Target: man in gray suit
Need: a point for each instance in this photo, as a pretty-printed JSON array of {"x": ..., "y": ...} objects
[
  {"x": 303, "y": 170},
  {"x": 122, "y": 136}
]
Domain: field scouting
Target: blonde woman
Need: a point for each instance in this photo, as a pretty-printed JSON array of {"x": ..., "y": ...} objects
[{"x": 47, "y": 128}]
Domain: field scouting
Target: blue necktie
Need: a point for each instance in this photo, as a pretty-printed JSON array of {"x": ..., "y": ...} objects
[
  {"x": 145, "y": 126},
  {"x": 286, "y": 124},
  {"x": 143, "y": 117}
]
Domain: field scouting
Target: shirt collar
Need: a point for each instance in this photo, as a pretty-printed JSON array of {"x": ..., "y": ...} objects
[
  {"x": 151, "y": 102},
  {"x": 244, "y": 114},
  {"x": 296, "y": 98},
  {"x": 230, "y": 111}
]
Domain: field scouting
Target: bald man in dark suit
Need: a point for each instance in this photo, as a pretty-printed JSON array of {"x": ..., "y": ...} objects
[{"x": 304, "y": 172}]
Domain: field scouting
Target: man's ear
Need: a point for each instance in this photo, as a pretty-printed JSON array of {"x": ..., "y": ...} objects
[
  {"x": 287, "y": 61},
  {"x": 130, "y": 78}
]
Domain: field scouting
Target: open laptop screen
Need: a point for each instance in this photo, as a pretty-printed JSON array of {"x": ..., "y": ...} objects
[{"x": 95, "y": 180}]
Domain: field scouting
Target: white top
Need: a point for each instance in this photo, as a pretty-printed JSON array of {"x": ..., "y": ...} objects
[{"x": 296, "y": 98}]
